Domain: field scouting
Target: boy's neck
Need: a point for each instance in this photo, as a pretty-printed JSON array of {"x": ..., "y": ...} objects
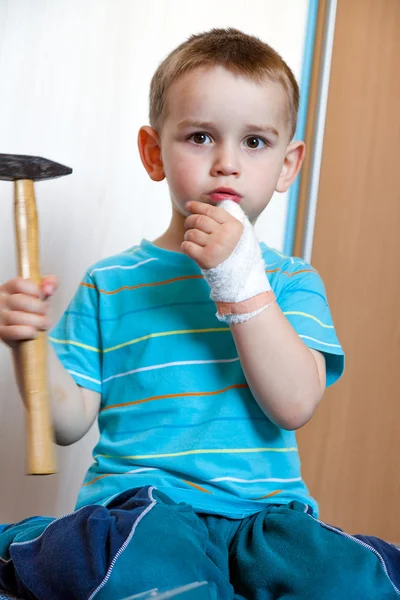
[{"x": 172, "y": 238}]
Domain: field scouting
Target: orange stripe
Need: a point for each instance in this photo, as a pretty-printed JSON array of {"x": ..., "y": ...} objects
[
  {"x": 100, "y": 477},
  {"x": 135, "y": 287},
  {"x": 88, "y": 285},
  {"x": 198, "y": 487},
  {"x": 291, "y": 274},
  {"x": 298, "y": 272},
  {"x": 269, "y": 495},
  {"x": 231, "y": 387},
  {"x": 272, "y": 270},
  {"x": 113, "y": 474},
  {"x": 106, "y": 475}
]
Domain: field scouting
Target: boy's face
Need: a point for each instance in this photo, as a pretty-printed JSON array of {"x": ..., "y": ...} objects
[{"x": 225, "y": 136}]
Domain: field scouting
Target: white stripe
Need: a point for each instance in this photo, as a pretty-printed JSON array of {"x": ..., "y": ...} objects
[
  {"x": 307, "y": 337},
  {"x": 270, "y": 479},
  {"x": 318, "y": 141},
  {"x": 141, "y": 470},
  {"x": 171, "y": 364},
  {"x": 108, "y": 500},
  {"x": 278, "y": 253},
  {"x": 122, "y": 267},
  {"x": 84, "y": 376},
  {"x": 125, "y": 544},
  {"x": 56, "y": 520}
]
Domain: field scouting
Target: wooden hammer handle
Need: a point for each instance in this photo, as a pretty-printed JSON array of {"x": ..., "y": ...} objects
[{"x": 32, "y": 353}]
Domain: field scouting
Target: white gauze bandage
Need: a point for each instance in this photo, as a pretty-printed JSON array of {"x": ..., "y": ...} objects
[{"x": 239, "y": 285}]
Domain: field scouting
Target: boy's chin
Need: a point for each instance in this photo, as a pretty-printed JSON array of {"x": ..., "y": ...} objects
[{"x": 180, "y": 209}]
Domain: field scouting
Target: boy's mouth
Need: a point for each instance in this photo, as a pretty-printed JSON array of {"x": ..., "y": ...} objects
[{"x": 223, "y": 193}]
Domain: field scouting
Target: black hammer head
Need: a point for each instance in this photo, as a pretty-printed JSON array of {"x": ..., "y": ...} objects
[{"x": 20, "y": 166}]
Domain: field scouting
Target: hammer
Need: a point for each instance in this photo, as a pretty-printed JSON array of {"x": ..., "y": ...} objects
[{"x": 24, "y": 170}]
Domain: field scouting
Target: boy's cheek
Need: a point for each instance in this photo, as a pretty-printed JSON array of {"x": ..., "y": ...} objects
[{"x": 182, "y": 180}]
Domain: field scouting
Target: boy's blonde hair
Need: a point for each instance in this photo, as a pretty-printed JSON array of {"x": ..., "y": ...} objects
[{"x": 238, "y": 52}]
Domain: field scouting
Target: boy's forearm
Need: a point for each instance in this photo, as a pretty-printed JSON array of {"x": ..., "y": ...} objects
[
  {"x": 286, "y": 378},
  {"x": 73, "y": 409},
  {"x": 282, "y": 372}
]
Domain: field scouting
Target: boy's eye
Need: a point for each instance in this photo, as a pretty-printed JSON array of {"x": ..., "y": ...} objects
[
  {"x": 200, "y": 138},
  {"x": 254, "y": 142}
]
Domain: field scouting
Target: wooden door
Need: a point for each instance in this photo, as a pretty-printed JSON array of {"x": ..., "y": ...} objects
[{"x": 351, "y": 448}]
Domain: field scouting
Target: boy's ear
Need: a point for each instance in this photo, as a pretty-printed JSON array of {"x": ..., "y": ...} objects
[
  {"x": 150, "y": 152},
  {"x": 292, "y": 164}
]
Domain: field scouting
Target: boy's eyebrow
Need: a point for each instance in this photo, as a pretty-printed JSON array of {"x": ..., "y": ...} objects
[
  {"x": 263, "y": 129},
  {"x": 208, "y": 125},
  {"x": 192, "y": 123}
]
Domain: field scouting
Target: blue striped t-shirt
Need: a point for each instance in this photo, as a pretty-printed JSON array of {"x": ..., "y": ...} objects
[{"x": 176, "y": 411}]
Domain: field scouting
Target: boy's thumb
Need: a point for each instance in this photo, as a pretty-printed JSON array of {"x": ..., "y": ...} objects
[{"x": 49, "y": 285}]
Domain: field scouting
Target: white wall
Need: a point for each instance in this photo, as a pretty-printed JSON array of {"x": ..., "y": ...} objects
[{"x": 74, "y": 85}]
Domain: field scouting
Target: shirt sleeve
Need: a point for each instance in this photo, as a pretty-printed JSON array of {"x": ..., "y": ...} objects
[
  {"x": 303, "y": 301},
  {"x": 76, "y": 338}
]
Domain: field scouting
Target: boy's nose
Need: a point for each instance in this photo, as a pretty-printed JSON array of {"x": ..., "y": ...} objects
[{"x": 225, "y": 163}]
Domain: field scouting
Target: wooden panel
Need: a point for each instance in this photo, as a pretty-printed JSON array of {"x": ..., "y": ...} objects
[{"x": 351, "y": 448}]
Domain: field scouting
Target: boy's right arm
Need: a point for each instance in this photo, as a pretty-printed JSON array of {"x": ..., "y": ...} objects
[{"x": 23, "y": 315}]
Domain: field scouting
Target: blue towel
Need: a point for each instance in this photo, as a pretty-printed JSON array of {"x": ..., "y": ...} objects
[{"x": 77, "y": 552}]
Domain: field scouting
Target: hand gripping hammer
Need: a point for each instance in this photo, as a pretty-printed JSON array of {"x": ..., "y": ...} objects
[{"x": 24, "y": 171}]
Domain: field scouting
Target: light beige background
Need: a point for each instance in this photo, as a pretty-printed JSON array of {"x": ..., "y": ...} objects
[{"x": 74, "y": 85}]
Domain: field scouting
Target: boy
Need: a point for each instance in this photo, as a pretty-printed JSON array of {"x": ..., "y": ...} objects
[{"x": 196, "y": 474}]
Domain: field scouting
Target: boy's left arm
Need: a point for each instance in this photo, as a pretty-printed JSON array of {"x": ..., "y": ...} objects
[{"x": 285, "y": 376}]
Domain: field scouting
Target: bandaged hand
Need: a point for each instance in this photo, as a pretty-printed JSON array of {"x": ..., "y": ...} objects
[{"x": 239, "y": 284}]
